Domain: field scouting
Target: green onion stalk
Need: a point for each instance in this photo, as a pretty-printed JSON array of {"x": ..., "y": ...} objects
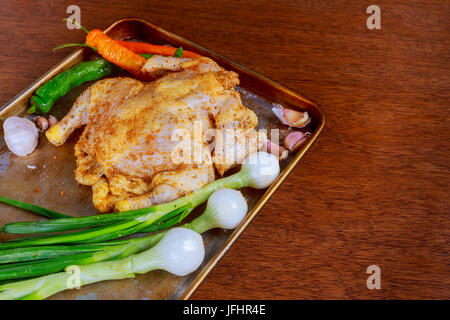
[
  {"x": 225, "y": 209},
  {"x": 180, "y": 252},
  {"x": 103, "y": 233},
  {"x": 258, "y": 171},
  {"x": 39, "y": 227},
  {"x": 33, "y": 208}
]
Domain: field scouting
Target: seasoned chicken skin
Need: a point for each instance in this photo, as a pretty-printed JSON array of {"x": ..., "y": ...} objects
[{"x": 132, "y": 148}]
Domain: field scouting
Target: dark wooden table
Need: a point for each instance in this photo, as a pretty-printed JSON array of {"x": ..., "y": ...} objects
[{"x": 374, "y": 189}]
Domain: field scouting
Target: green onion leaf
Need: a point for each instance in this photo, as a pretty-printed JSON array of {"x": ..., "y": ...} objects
[{"x": 33, "y": 208}]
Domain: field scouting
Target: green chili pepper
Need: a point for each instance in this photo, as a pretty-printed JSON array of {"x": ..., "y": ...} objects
[
  {"x": 178, "y": 53},
  {"x": 44, "y": 97}
]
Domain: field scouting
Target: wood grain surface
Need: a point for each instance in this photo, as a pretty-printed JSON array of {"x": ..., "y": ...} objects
[{"x": 374, "y": 189}]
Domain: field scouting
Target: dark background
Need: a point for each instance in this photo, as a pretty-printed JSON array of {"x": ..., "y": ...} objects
[{"x": 374, "y": 189}]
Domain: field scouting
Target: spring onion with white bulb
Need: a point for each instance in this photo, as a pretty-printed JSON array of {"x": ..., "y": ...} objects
[
  {"x": 179, "y": 252},
  {"x": 225, "y": 209},
  {"x": 258, "y": 171}
]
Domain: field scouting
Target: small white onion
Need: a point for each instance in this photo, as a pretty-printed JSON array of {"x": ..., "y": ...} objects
[
  {"x": 21, "y": 135},
  {"x": 226, "y": 208},
  {"x": 181, "y": 251},
  {"x": 262, "y": 169}
]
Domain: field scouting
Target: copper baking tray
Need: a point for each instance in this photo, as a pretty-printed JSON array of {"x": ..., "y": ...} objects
[{"x": 46, "y": 176}]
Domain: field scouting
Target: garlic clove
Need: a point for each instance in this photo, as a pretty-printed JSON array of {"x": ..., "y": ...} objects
[
  {"x": 296, "y": 119},
  {"x": 278, "y": 111},
  {"x": 277, "y": 150},
  {"x": 21, "y": 135},
  {"x": 291, "y": 117},
  {"x": 42, "y": 123},
  {"x": 52, "y": 121},
  {"x": 295, "y": 139}
]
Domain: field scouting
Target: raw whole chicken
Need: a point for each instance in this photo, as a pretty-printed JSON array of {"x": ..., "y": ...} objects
[{"x": 131, "y": 150}]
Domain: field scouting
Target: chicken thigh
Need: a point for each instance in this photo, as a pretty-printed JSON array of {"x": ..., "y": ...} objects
[{"x": 144, "y": 143}]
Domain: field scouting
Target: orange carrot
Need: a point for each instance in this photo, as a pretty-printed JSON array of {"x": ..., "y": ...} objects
[
  {"x": 142, "y": 47},
  {"x": 116, "y": 53}
]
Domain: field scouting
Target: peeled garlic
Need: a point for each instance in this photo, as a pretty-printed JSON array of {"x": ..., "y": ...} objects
[
  {"x": 21, "y": 135},
  {"x": 291, "y": 117},
  {"x": 295, "y": 139}
]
